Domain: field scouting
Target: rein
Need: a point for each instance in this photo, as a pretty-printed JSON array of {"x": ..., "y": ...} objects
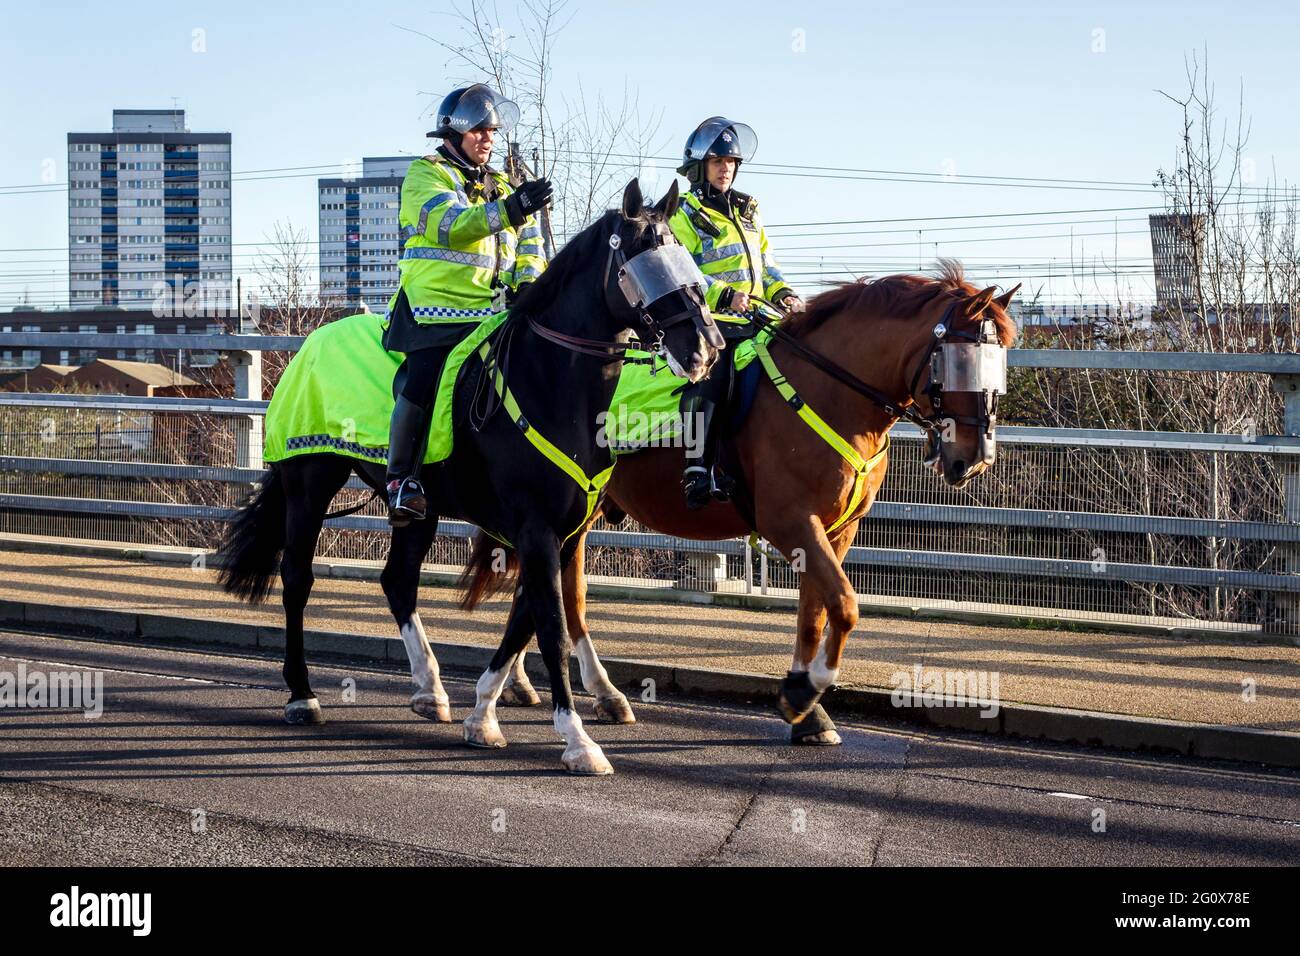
[
  {"x": 905, "y": 409},
  {"x": 596, "y": 348}
]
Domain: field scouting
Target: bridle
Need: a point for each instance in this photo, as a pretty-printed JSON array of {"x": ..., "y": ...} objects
[
  {"x": 966, "y": 362},
  {"x": 957, "y": 361},
  {"x": 643, "y": 280}
]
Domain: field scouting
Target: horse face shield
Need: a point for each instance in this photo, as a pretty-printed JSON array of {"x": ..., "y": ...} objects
[
  {"x": 665, "y": 278},
  {"x": 975, "y": 366}
]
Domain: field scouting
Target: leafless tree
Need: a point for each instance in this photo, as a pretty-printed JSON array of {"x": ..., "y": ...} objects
[
  {"x": 589, "y": 146},
  {"x": 1241, "y": 295}
]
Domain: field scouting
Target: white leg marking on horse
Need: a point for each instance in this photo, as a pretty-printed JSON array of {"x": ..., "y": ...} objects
[
  {"x": 822, "y": 676},
  {"x": 430, "y": 699},
  {"x": 594, "y": 676},
  {"x": 611, "y": 703},
  {"x": 581, "y": 754},
  {"x": 481, "y": 727},
  {"x": 519, "y": 690}
]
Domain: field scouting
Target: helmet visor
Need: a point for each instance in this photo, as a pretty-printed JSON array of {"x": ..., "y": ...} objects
[
  {"x": 720, "y": 136},
  {"x": 480, "y": 107}
]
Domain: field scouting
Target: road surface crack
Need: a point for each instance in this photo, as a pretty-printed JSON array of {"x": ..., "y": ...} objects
[{"x": 716, "y": 857}]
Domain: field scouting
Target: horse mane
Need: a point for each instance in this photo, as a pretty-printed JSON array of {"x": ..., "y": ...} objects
[
  {"x": 577, "y": 253},
  {"x": 894, "y": 297}
]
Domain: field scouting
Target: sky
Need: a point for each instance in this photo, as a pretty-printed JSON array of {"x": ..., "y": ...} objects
[{"x": 938, "y": 94}]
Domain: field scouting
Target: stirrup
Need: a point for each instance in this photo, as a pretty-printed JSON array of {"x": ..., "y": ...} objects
[
  {"x": 724, "y": 486},
  {"x": 699, "y": 487},
  {"x": 406, "y": 502}
]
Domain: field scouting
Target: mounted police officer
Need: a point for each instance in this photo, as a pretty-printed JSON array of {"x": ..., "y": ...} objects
[
  {"x": 466, "y": 236},
  {"x": 721, "y": 228}
]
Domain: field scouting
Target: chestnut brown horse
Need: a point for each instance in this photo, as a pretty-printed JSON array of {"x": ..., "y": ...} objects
[{"x": 883, "y": 333}]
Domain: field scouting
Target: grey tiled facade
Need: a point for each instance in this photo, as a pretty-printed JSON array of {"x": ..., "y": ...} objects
[
  {"x": 359, "y": 234},
  {"x": 148, "y": 212}
]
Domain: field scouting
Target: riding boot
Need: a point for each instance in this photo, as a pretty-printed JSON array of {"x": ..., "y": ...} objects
[
  {"x": 698, "y": 478},
  {"x": 408, "y": 435}
]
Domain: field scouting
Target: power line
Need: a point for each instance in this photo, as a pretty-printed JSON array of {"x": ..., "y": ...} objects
[
  {"x": 838, "y": 222},
  {"x": 808, "y": 170}
]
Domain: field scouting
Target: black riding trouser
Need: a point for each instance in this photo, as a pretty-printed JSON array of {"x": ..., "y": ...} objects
[
  {"x": 423, "y": 369},
  {"x": 705, "y": 403}
]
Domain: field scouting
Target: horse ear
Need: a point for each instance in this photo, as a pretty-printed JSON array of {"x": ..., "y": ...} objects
[
  {"x": 979, "y": 302},
  {"x": 632, "y": 201},
  {"x": 1004, "y": 300},
  {"x": 668, "y": 205}
]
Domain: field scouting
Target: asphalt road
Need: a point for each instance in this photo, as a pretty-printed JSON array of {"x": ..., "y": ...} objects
[{"x": 695, "y": 784}]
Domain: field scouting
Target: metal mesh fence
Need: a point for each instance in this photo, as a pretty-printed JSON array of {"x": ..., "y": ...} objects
[{"x": 1161, "y": 534}]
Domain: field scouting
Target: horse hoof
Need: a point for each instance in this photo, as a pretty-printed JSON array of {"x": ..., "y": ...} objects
[
  {"x": 614, "y": 710},
  {"x": 484, "y": 735},
  {"x": 827, "y": 738},
  {"x": 815, "y": 730},
  {"x": 798, "y": 697},
  {"x": 586, "y": 762},
  {"x": 430, "y": 709},
  {"x": 512, "y": 695},
  {"x": 306, "y": 711}
]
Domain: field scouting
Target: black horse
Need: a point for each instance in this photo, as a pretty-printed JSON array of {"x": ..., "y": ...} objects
[{"x": 563, "y": 367}]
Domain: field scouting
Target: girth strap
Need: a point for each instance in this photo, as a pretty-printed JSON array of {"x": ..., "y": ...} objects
[{"x": 861, "y": 466}]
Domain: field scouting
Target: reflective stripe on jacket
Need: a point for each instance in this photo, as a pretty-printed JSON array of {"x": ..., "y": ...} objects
[
  {"x": 457, "y": 246},
  {"x": 738, "y": 257}
]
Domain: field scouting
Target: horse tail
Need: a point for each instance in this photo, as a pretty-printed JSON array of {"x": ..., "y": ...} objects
[
  {"x": 250, "y": 551},
  {"x": 485, "y": 575}
]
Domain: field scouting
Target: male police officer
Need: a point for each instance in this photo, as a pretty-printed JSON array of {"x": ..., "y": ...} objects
[{"x": 465, "y": 234}]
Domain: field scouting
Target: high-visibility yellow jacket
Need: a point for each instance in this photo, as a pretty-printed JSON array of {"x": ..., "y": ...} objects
[
  {"x": 457, "y": 246},
  {"x": 737, "y": 257}
]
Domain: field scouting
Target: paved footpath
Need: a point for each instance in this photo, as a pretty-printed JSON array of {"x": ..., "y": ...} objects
[
  {"x": 696, "y": 784},
  {"x": 1178, "y": 678}
]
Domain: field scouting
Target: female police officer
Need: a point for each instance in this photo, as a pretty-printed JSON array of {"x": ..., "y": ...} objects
[
  {"x": 465, "y": 234},
  {"x": 721, "y": 229}
]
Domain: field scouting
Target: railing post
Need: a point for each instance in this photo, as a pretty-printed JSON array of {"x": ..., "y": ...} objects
[
  {"x": 702, "y": 571},
  {"x": 1289, "y": 386},
  {"x": 248, "y": 428},
  {"x": 749, "y": 566}
]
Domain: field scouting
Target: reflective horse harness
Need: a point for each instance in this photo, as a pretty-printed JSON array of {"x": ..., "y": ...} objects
[
  {"x": 643, "y": 279},
  {"x": 957, "y": 362}
]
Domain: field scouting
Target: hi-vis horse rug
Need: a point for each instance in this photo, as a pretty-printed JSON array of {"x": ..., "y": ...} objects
[
  {"x": 336, "y": 395},
  {"x": 645, "y": 411}
]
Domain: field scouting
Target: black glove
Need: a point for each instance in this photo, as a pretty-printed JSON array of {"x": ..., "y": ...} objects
[
  {"x": 528, "y": 199},
  {"x": 512, "y": 295},
  {"x": 787, "y": 300}
]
